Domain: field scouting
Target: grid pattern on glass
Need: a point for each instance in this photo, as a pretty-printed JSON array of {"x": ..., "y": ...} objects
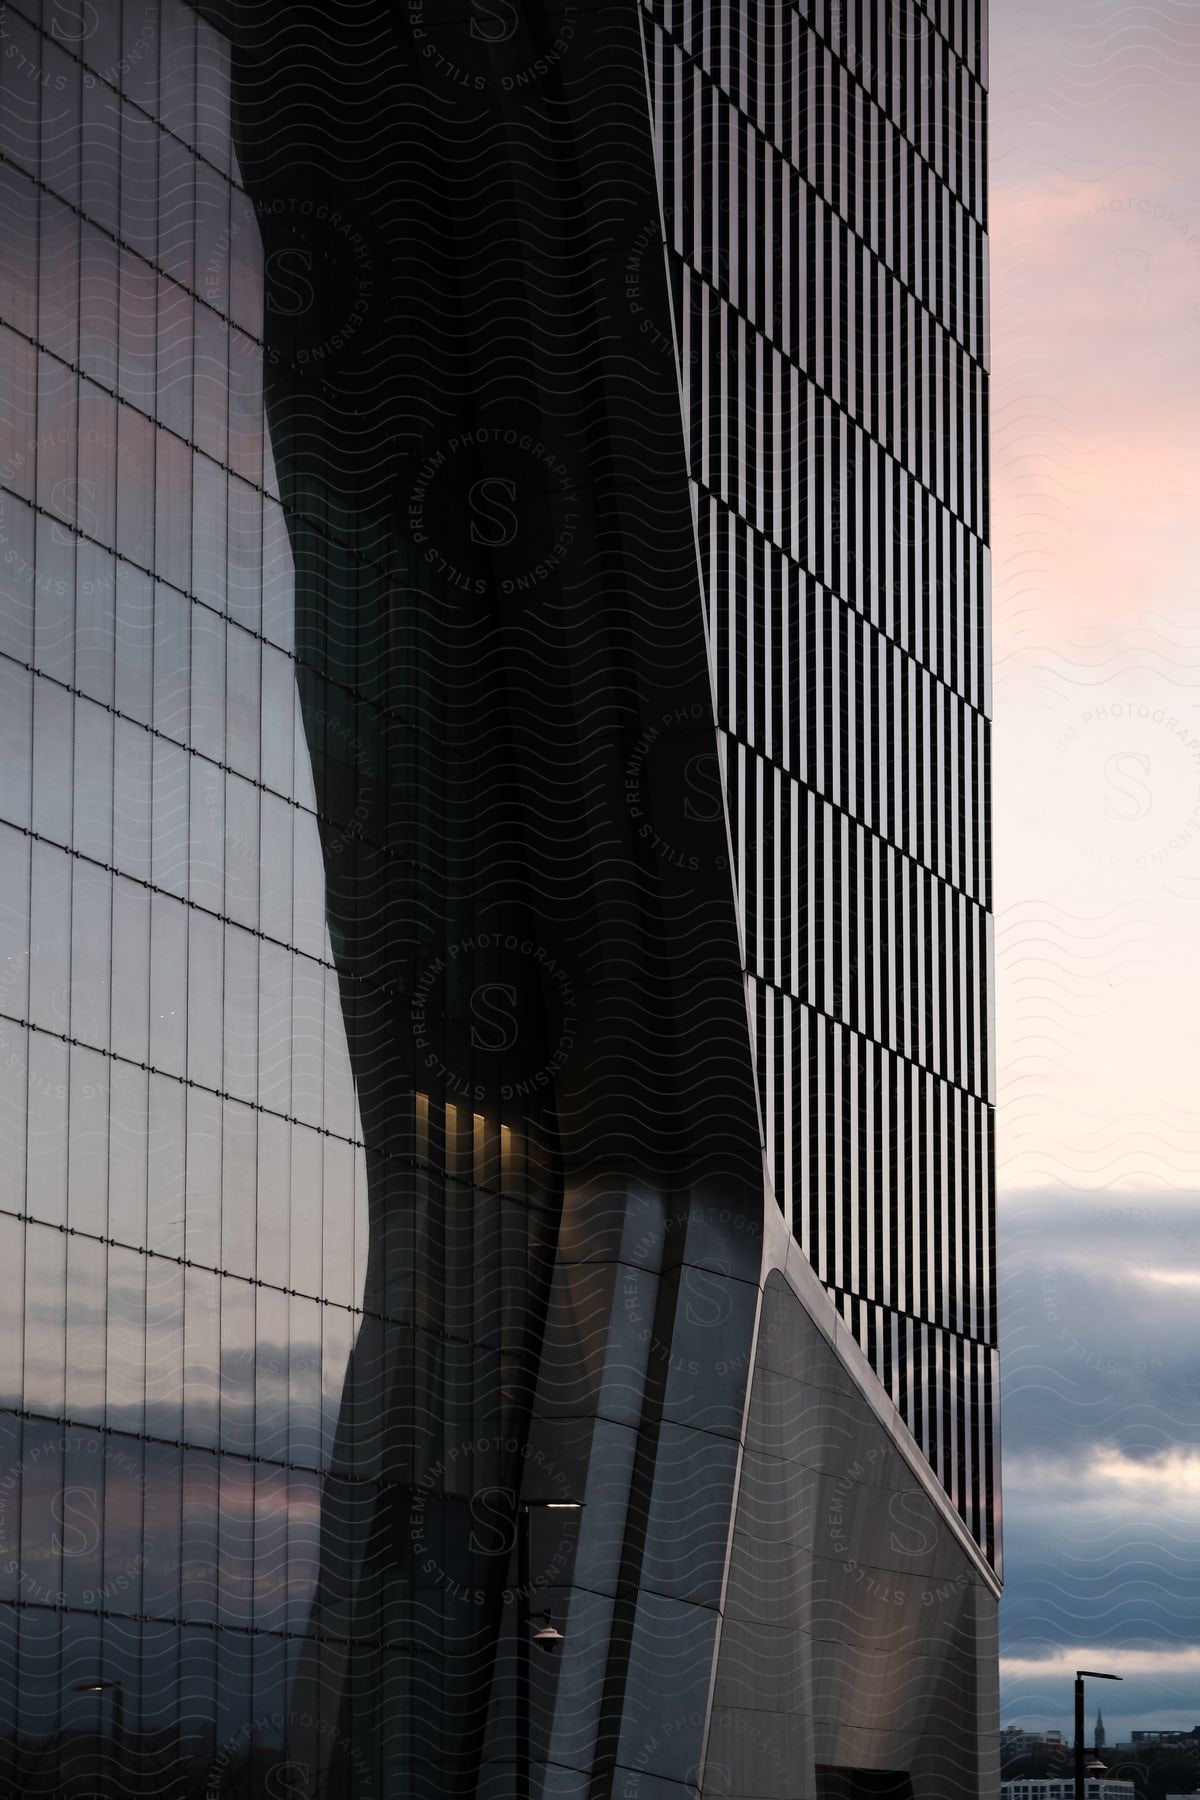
[
  {"x": 186, "y": 1173},
  {"x": 823, "y": 178}
]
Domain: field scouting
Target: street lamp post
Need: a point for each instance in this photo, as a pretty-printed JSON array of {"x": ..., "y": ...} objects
[
  {"x": 547, "y": 1637},
  {"x": 1092, "y": 1675}
]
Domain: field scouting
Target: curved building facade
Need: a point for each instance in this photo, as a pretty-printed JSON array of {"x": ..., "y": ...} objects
[{"x": 494, "y": 895}]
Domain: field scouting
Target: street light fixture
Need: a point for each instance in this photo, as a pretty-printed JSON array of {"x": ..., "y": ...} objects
[
  {"x": 1092, "y": 1675},
  {"x": 547, "y": 1637}
]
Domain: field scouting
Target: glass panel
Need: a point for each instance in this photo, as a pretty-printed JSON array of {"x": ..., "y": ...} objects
[
  {"x": 87, "y": 1146},
  {"x": 164, "y": 1348},
  {"x": 238, "y": 1190},
  {"x": 160, "y": 1544},
  {"x": 308, "y": 1042},
  {"x": 139, "y": 177},
  {"x": 93, "y": 811},
  {"x": 304, "y": 1382},
  {"x": 213, "y": 130},
  {"x": 171, "y": 809},
  {"x": 53, "y": 737},
  {"x": 206, "y": 871},
  {"x": 337, "y": 1272},
  {"x": 50, "y": 939},
  {"x": 98, "y": 40},
  {"x": 201, "y": 1362},
  {"x": 307, "y": 1168},
  {"x": 12, "y": 1259},
  {"x": 20, "y": 94},
  {"x": 126, "y": 1340},
  {"x": 42, "y": 1494},
  {"x": 165, "y": 1178},
  {"x": 172, "y": 665},
  {"x": 135, "y": 487},
  {"x": 274, "y": 1204},
  {"x": 138, "y": 323},
  {"x": 242, "y": 702},
  {"x": 240, "y": 1074},
  {"x": 198, "y": 1538},
  {"x": 271, "y": 1375},
  {"x": 124, "y": 1488},
  {"x": 337, "y": 1333},
  {"x": 98, "y": 304},
  {"x": 237, "y": 1367},
  {"x": 101, "y": 175},
  {"x": 47, "y": 1137},
  {"x": 58, "y": 292},
  {"x": 16, "y": 569},
  {"x": 134, "y": 635},
  {"x": 270, "y": 1556},
  {"x": 57, "y": 430},
  {"x": 85, "y": 1323},
  {"x": 278, "y": 718},
  {"x": 208, "y": 532},
  {"x": 275, "y": 888},
  {"x": 168, "y": 985},
  {"x": 91, "y": 940},
  {"x": 204, "y": 1178},
  {"x": 97, "y": 490},
  {"x": 18, "y": 269},
  {"x": 304, "y": 1545},
  {"x": 10, "y": 1564},
  {"x": 242, "y": 845},
  {"x": 340, "y": 1109},
  {"x": 54, "y": 625},
  {"x": 138, "y": 70},
  {"x": 14, "y": 1059},
  {"x": 245, "y": 554},
  {"x": 173, "y": 510},
  {"x": 176, "y": 209},
  {"x": 308, "y": 898},
  {"x": 16, "y": 748},
  {"x": 210, "y": 391},
  {"x": 131, "y": 963},
  {"x": 45, "y": 1319},
  {"x": 127, "y": 1135},
  {"x": 18, "y": 414},
  {"x": 95, "y": 589},
  {"x": 132, "y": 750},
  {"x": 245, "y": 407},
  {"x": 279, "y": 579}
]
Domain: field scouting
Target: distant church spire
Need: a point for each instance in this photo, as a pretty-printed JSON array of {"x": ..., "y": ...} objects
[{"x": 1099, "y": 1729}]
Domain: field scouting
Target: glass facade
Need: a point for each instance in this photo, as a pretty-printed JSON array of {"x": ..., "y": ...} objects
[
  {"x": 184, "y": 1182},
  {"x": 400, "y": 824}
]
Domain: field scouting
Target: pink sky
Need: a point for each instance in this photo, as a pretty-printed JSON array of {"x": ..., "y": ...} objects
[{"x": 1095, "y": 229}]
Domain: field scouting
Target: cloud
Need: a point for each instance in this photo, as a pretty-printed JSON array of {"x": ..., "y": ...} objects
[
  {"x": 1101, "y": 1448},
  {"x": 1133, "y": 1662}
]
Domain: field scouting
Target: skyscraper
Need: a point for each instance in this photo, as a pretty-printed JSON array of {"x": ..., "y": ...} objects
[{"x": 494, "y": 882}]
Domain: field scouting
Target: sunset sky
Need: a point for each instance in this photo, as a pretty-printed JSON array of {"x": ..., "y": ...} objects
[{"x": 1095, "y": 234}]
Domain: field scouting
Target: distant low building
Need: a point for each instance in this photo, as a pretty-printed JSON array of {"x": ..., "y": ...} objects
[
  {"x": 1016, "y": 1741},
  {"x": 1096, "y": 1787}
]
